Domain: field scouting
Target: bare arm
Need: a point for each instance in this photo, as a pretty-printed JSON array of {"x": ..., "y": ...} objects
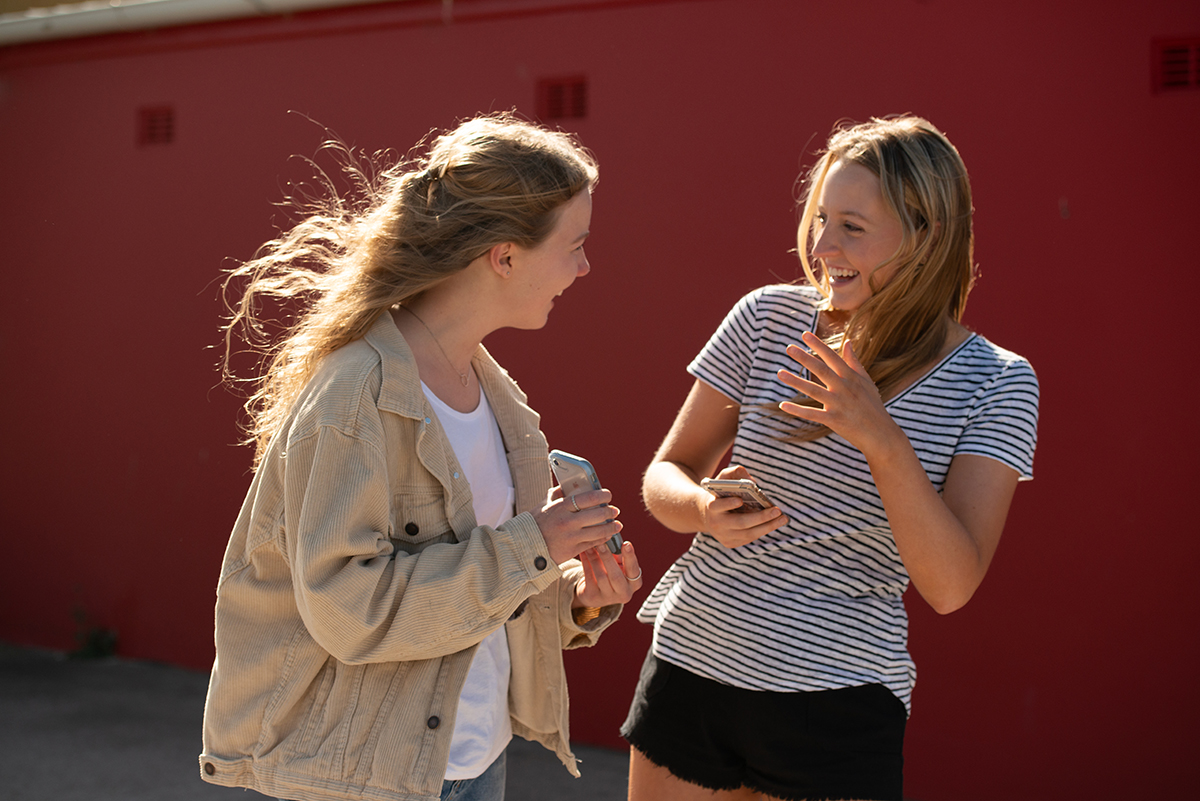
[
  {"x": 945, "y": 540},
  {"x": 698, "y": 440}
]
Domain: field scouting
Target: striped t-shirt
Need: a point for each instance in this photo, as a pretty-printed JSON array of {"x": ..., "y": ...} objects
[{"x": 817, "y": 603}]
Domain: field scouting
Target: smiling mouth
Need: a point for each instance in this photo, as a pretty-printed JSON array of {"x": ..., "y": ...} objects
[{"x": 840, "y": 275}]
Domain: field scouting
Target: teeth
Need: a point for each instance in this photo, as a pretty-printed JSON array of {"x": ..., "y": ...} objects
[{"x": 838, "y": 272}]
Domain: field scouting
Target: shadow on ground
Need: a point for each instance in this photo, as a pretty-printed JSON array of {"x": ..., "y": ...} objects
[{"x": 108, "y": 729}]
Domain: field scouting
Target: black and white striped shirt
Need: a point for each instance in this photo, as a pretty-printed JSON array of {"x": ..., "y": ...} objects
[{"x": 817, "y": 603}]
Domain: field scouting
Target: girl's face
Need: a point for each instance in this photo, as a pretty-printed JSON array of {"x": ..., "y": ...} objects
[
  {"x": 544, "y": 272},
  {"x": 854, "y": 233}
]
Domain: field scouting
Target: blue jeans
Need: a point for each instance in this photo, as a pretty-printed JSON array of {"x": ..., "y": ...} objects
[{"x": 487, "y": 786}]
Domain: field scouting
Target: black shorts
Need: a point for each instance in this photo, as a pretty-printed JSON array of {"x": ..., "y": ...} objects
[{"x": 830, "y": 744}]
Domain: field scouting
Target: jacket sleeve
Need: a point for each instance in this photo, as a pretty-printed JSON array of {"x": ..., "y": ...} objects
[
  {"x": 573, "y": 634},
  {"x": 364, "y": 601}
]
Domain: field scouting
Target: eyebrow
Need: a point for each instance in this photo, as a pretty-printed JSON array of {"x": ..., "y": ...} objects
[
  {"x": 847, "y": 213},
  {"x": 581, "y": 237}
]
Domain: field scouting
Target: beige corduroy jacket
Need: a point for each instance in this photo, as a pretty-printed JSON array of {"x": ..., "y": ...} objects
[{"x": 356, "y": 587}]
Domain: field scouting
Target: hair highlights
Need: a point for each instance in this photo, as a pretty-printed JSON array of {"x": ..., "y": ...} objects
[
  {"x": 406, "y": 228},
  {"x": 904, "y": 324}
]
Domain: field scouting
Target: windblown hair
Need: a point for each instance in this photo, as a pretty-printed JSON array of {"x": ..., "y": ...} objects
[
  {"x": 904, "y": 324},
  {"x": 404, "y": 229}
]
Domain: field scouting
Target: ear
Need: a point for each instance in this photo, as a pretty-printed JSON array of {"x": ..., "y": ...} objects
[{"x": 500, "y": 259}]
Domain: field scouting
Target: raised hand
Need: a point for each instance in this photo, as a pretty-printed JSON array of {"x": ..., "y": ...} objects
[{"x": 850, "y": 403}]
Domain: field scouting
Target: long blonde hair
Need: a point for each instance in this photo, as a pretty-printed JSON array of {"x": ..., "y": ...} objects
[
  {"x": 405, "y": 228},
  {"x": 904, "y": 324}
]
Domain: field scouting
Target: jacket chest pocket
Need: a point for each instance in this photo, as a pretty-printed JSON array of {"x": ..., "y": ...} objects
[{"x": 418, "y": 520}]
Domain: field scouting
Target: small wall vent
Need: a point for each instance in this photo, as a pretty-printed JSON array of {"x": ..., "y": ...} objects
[
  {"x": 156, "y": 125},
  {"x": 562, "y": 98},
  {"x": 1175, "y": 64}
]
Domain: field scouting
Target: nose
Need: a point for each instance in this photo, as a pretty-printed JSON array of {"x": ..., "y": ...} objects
[
  {"x": 823, "y": 244},
  {"x": 583, "y": 268}
]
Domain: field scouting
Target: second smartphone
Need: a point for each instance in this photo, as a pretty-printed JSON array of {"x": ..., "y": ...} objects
[{"x": 575, "y": 475}]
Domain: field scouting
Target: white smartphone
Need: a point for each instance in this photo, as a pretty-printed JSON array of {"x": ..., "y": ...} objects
[
  {"x": 753, "y": 499},
  {"x": 575, "y": 475}
]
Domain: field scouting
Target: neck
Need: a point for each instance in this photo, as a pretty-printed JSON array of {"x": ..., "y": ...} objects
[{"x": 450, "y": 334}]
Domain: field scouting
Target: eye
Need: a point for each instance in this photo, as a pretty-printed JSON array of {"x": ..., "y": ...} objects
[
  {"x": 852, "y": 228},
  {"x": 820, "y": 218}
]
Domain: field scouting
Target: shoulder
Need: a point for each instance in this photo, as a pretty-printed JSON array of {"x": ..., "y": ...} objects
[
  {"x": 790, "y": 296},
  {"x": 981, "y": 355},
  {"x": 994, "y": 377},
  {"x": 777, "y": 304},
  {"x": 496, "y": 374},
  {"x": 346, "y": 382}
]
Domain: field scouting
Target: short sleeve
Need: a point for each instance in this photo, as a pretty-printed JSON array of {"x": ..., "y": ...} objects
[
  {"x": 724, "y": 362},
  {"x": 1002, "y": 424}
]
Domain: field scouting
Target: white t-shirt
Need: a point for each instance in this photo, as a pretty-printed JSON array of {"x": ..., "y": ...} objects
[
  {"x": 817, "y": 604},
  {"x": 482, "y": 728}
]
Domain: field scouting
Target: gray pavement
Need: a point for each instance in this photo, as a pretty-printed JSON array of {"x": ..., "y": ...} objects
[{"x": 108, "y": 729}]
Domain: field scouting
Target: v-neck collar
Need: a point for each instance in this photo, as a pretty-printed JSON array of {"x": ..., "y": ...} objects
[{"x": 928, "y": 373}]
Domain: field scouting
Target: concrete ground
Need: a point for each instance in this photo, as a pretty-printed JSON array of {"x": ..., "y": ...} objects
[{"x": 109, "y": 729}]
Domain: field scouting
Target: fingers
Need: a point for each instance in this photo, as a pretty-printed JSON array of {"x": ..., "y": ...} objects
[
  {"x": 586, "y": 500},
  {"x": 609, "y": 579},
  {"x": 810, "y": 413},
  {"x": 629, "y": 565},
  {"x": 816, "y": 391},
  {"x": 734, "y": 471},
  {"x": 817, "y": 362},
  {"x": 852, "y": 360},
  {"x": 733, "y": 528},
  {"x": 726, "y": 504}
]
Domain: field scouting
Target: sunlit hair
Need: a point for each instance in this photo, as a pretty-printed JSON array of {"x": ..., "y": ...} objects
[
  {"x": 904, "y": 324},
  {"x": 401, "y": 231}
]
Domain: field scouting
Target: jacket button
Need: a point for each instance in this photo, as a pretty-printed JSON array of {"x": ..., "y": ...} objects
[
  {"x": 540, "y": 563},
  {"x": 433, "y": 722},
  {"x": 209, "y": 768},
  {"x": 412, "y": 529}
]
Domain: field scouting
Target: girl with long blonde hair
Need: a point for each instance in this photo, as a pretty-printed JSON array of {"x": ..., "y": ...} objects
[
  {"x": 401, "y": 580},
  {"x": 889, "y": 440}
]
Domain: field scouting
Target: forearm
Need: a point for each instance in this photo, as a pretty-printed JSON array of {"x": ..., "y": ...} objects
[
  {"x": 944, "y": 560},
  {"x": 673, "y": 494}
]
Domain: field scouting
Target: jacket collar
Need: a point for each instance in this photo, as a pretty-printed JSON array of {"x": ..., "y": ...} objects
[{"x": 400, "y": 391}]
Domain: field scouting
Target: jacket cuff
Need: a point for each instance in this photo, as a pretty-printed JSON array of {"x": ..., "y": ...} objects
[
  {"x": 576, "y": 635},
  {"x": 533, "y": 555}
]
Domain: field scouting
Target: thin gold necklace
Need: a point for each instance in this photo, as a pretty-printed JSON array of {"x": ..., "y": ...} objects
[{"x": 464, "y": 377}]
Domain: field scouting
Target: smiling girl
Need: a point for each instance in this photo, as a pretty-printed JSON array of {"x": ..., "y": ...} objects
[
  {"x": 891, "y": 440},
  {"x": 400, "y": 582}
]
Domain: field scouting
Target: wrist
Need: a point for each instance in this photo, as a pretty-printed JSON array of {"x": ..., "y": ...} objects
[{"x": 890, "y": 448}]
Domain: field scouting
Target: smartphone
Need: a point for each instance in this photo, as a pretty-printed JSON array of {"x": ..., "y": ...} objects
[
  {"x": 753, "y": 499},
  {"x": 575, "y": 475}
]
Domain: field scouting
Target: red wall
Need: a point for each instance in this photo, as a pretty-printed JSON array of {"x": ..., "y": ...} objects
[{"x": 1072, "y": 671}]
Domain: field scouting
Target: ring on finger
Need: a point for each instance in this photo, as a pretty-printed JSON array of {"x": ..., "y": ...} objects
[
  {"x": 638, "y": 576},
  {"x": 576, "y": 505}
]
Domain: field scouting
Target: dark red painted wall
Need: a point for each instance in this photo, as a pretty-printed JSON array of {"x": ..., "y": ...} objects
[{"x": 1071, "y": 674}]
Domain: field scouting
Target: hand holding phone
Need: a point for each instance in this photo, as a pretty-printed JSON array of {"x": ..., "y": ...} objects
[
  {"x": 753, "y": 499},
  {"x": 575, "y": 475}
]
